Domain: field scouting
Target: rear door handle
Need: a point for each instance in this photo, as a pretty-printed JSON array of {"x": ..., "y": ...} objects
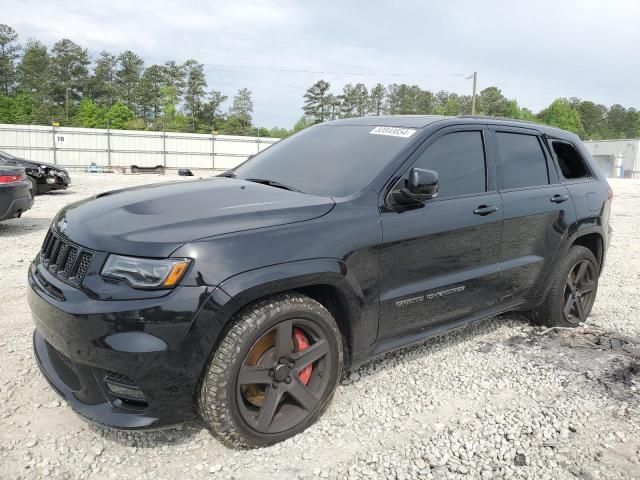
[
  {"x": 559, "y": 198},
  {"x": 485, "y": 210}
]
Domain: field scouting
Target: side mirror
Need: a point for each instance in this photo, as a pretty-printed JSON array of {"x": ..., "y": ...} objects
[{"x": 420, "y": 186}]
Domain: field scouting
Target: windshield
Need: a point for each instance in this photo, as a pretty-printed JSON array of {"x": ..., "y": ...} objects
[{"x": 336, "y": 160}]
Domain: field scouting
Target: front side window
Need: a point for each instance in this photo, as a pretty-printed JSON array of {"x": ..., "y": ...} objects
[
  {"x": 522, "y": 161},
  {"x": 459, "y": 160}
]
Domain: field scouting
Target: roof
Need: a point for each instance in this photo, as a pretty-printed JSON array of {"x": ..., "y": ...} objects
[
  {"x": 422, "y": 121},
  {"x": 406, "y": 121}
]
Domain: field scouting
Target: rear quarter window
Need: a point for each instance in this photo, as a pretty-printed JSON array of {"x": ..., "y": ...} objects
[{"x": 571, "y": 163}]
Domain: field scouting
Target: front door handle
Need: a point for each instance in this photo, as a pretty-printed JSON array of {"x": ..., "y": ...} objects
[
  {"x": 559, "y": 198},
  {"x": 485, "y": 210}
]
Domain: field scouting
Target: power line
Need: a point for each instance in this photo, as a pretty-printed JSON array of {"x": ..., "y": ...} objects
[
  {"x": 320, "y": 72},
  {"x": 230, "y": 66}
]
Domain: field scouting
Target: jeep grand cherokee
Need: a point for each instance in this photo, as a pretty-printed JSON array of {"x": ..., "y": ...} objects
[{"x": 243, "y": 297}]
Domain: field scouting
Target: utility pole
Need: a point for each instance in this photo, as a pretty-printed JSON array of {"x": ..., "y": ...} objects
[
  {"x": 473, "y": 96},
  {"x": 66, "y": 104}
]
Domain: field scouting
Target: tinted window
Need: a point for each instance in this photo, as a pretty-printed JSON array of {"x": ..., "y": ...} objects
[
  {"x": 326, "y": 160},
  {"x": 522, "y": 160},
  {"x": 570, "y": 161},
  {"x": 459, "y": 160}
]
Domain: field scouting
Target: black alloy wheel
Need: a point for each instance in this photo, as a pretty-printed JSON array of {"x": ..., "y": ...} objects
[
  {"x": 273, "y": 373},
  {"x": 579, "y": 291},
  {"x": 573, "y": 289},
  {"x": 283, "y": 376}
]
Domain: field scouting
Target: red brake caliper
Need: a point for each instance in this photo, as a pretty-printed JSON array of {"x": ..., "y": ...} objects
[{"x": 300, "y": 342}]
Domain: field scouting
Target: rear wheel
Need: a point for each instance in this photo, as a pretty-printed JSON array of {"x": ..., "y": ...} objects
[
  {"x": 573, "y": 290},
  {"x": 274, "y": 372}
]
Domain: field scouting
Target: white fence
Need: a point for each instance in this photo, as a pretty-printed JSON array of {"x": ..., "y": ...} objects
[{"x": 79, "y": 147}]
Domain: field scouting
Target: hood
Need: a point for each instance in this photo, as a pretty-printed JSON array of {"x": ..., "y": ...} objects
[{"x": 154, "y": 220}]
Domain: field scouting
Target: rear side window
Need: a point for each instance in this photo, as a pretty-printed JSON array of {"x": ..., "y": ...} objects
[
  {"x": 522, "y": 160},
  {"x": 459, "y": 160},
  {"x": 570, "y": 161}
]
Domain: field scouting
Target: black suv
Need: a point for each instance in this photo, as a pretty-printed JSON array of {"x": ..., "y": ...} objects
[{"x": 243, "y": 297}]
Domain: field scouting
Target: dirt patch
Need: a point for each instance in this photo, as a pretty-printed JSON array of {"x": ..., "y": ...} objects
[{"x": 628, "y": 375}]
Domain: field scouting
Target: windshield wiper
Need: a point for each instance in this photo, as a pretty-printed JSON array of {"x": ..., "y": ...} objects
[{"x": 273, "y": 183}]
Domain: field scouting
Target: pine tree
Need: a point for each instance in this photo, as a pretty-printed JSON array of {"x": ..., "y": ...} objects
[
  {"x": 195, "y": 89},
  {"x": 69, "y": 73},
  {"x": 102, "y": 84},
  {"x": 361, "y": 99},
  {"x": 212, "y": 110},
  {"x": 127, "y": 78},
  {"x": 349, "y": 101},
  {"x": 316, "y": 101},
  {"x": 33, "y": 80},
  {"x": 149, "y": 94},
  {"x": 9, "y": 53},
  {"x": 242, "y": 108},
  {"x": 174, "y": 78},
  {"x": 376, "y": 99}
]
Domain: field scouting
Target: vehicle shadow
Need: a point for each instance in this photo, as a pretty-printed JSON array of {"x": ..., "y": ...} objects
[
  {"x": 57, "y": 192},
  {"x": 18, "y": 227},
  {"x": 434, "y": 345},
  {"x": 193, "y": 426},
  {"x": 177, "y": 435}
]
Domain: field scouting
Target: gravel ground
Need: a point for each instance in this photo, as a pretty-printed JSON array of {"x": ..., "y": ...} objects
[{"x": 500, "y": 399}]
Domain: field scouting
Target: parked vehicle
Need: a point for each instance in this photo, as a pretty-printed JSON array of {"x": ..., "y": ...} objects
[
  {"x": 43, "y": 176},
  {"x": 15, "y": 192},
  {"x": 252, "y": 292}
]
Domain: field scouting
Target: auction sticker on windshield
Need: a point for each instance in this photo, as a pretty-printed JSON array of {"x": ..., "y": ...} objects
[{"x": 393, "y": 131}]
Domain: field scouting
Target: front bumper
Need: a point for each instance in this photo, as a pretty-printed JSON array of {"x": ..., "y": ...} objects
[
  {"x": 89, "y": 349},
  {"x": 55, "y": 182}
]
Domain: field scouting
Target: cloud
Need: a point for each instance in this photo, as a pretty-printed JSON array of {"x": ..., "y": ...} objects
[{"x": 535, "y": 51}]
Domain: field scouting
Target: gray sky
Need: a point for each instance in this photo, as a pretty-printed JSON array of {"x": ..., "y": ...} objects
[{"x": 534, "y": 51}]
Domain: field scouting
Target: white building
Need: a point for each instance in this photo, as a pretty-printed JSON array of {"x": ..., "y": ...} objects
[{"x": 616, "y": 158}]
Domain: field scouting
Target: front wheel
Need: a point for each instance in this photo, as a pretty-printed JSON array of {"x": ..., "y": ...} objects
[
  {"x": 573, "y": 290},
  {"x": 273, "y": 373}
]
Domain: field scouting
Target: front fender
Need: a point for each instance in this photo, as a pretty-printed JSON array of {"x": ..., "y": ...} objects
[
  {"x": 264, "y": 281},
  {"x": 358, "y": 320}
]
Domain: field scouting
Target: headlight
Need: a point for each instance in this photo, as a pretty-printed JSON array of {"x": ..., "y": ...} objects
[{"x": 146, "y": 272}]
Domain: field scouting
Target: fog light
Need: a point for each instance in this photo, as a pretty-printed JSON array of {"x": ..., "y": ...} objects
[{"x": 133, "y": 393}]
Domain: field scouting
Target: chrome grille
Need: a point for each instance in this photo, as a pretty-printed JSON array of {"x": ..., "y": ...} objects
[
  {"x": 72, "y": 254},
  {"x": 64, "y": 259},
  {"x": 83, "y": 265}
]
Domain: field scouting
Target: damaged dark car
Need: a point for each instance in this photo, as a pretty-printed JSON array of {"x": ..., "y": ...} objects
[{"x": 44, "y": 177}]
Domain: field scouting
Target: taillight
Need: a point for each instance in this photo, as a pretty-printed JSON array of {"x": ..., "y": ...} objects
[{"x": 10, "y": 178}]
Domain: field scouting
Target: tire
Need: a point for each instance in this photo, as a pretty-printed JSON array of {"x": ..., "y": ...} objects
[
  {"x": 570, "y": 299},
  {"x": 244, "y": 413}
]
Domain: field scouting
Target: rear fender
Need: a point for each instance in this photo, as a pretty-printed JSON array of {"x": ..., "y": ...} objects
[{"x": 575, "y": 231}]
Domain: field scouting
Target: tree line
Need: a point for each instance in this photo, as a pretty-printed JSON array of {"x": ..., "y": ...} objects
[
  {"x": 589, "y": 120},
  {"x": 64, "y": 84}
]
